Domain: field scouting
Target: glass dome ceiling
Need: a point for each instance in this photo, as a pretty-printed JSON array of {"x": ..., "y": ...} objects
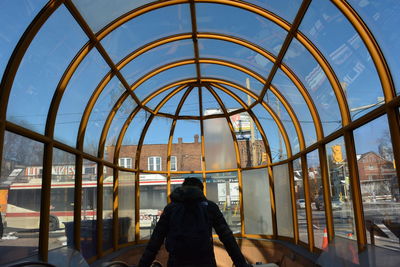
[{"x": 99, "y": 78}]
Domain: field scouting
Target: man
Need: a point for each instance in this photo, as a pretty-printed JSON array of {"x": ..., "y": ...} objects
[{"x": 186, "y": 226}]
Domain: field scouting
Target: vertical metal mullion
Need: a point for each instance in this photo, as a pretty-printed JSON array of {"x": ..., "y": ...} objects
[
  {"x": 304, "y": 167},
  {"x": 293, "y": 199},
  {"x": 272, "y": 200},
  {"x": 394, "y": 127},
  {"x": 78, "y": 201},
  {"x": 99, "y": 211},
  {"x": 355, "y": 189},
  {"x": 203, "y": 158},
  {"x": 327, "y": 192},
  {"x": 115, "y": 208}
]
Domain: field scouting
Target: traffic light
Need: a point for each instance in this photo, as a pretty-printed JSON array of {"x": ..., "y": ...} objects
[{"x": 337, "y": 153}]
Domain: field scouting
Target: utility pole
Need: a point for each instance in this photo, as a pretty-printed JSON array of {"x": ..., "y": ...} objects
[{"x": 254, "y": 157}]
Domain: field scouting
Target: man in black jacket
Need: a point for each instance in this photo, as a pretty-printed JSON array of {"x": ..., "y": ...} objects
[{"x": 186, "y": 226}]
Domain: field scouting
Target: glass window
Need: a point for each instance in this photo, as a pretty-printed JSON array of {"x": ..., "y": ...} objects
[
  {"x": 223, "y": 189},
  {"x": 174, "y": 163},
  {"x": 285, "y": 9},
  {"x": 210, "y": 104},
  {"x": 256, "y": 202},
  {"x": 125, "y": 162},
  {"x": 300, "y": 201},
  {"x": 41, "y": 69},
  {"x": 108, "y": 189},
  {"x": 126, "y": 207},
  {"x": 379, "y": 185},
  {"x": 341, "y": 199},
  {"x": 191, "y": 105},
  {"x": 283, "y": 200},
  {"x": 154, "y": 163},
  {"x": 20, "y": 194},
  {"x": 171, "y": 105},
  {"x": 153, "y": 199}
]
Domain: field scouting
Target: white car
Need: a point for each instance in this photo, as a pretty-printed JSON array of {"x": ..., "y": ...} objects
[{"x": 301, "y": 203}]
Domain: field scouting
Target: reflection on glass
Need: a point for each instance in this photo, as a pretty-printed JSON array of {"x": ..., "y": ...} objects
[
  {"x": 126, "y": 207},
  {"x": 317, "y": 198},
  {"x": 20, "y": 194},
  {"x": 153, "y": 199},
  {"x": 62, "y": 199},
  {"x": 300, "y": 201},
  {"x": 341, "y": 199},
  {"x": 108, "y": 182},
  {"x": 285, "y": 9},
  {"x": 256, "y": 202},
  {"x": 223, "y": 189},
  {"x": 379, "y": 183},
  {"x": 284, "y": 218}
]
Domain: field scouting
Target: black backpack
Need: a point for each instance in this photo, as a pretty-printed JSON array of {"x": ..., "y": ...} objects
[{"x": 189, "y": 236}]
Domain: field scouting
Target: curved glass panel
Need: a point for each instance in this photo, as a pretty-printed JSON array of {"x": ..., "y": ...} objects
[
  {"x": 14, "y": 18},
  {"x": 191, "y": 105},
  {"x": 230, "y": 74},
  {"x": 41, "y": 69},
  {"x": 76, "y": 96},
  {"x": 153, "y": 103},
  {"x": 382, "y": 19},
  {"x": 164, "y": 78},
  {"x": 127, "y": 154},
  {"x": 220, "y": 152},
  {"x": 242, "y": 95},
  {"x": 283, "y": 200},
  {"x": 108, "y": 201},
  {"x": 298, "y": 104},
  {"x": 99, "y": 114},
  {"x": 186, "y": 146},
  {"x": 126, "y": 207},
  {"x": 286, "y": 9},
  {"x": 229, "y": 102},
  {"x": 256, "y": 202},
  {"x": 210, "y": 104},
  {"x": 240, "y": 23},
  {"x": 333, "y": 34},
  {"x": 300, "y": 200},
  {"x": 271, "y": 130},
  {"x": 118, "y": 121},
  {"x": 146, "y": 28},
  {"x": 210, "y": 48},
  {"x": 172, "y": 104},
  {"x": 157, "y": 57},
  {"x": 98, "y": 14},
  {"x": 314, "y": 79},
  {"x": 286, "y": 120}
]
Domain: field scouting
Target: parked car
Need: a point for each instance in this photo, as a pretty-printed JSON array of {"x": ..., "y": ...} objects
[
  {"x": 301, "y": 203},
  {"x": 320, "y": 205}
]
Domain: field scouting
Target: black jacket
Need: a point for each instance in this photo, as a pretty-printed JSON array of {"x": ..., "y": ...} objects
[{"x": 188, "y": 194}]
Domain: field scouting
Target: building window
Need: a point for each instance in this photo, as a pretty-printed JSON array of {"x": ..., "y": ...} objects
[
  {"x": 154, "y": 163},
  {"x": 173, "y": 163},
  {"x": 125, "y": 162}
]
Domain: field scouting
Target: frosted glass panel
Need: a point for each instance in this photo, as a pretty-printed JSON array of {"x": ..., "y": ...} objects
[
  {"x": 256, "y": 202},
  {"x": 220, "y": 152},
  {"x": 283, "y": 201}
]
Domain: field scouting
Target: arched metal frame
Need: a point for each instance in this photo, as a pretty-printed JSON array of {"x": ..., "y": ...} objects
[{"x": 390, "y": 107}]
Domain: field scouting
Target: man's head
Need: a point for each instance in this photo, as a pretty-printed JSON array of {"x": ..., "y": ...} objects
[{"x": 192, "y": 181}]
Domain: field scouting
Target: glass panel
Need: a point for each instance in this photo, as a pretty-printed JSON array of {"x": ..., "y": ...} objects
[
  {"x": 153, "y": 199},
  {"x": 148, "y": 27},
  {"x": 14, "y": 18},
  {"x": 157, "y": 57},
  {"x": 172, "y": 104},
  {"x": 284, "y": 218},
  {"x": 211, "y": 48},
  {"x": 229, "y": 101},
  {"x": 297, "y": 102},
  {"x": 271, "y": 130},
  {"x": 119, "y": 119},
  {"x": 164, "y": 78},
  {"x": 155, "y": 143},
  {"x": 191, "y": 104},
  {"x": 210, "y": 104},
  {"x": 62, "y": 200},
  {"x": 286, "y": 120},
  {"x": 341, "y": 199},
  {"x": 108, "y": 182},
  {"x": 131, "y": 139},
  {"x": 286, "y": 9},
  {"x": 379, "y": 183},
  {"x": 99, "y": 114},
  {"x": 314, "y": 79},
  {"x": 126, "y": 207},
  {"x": 251, "y": 147},
  {"x": 186, "y": 145},
  {"x": 219, "y": 148},
  {"x": 317, "y": 198},
  {"x": 382, "y": 19},
  {"x": 76, "y": 96},
  {"x": 300, "y": 201},
  {"x": 230, "y": 74},
  {"x": 20, "y": 192},
  {"x": 256, "y": 202},
  {"x": 223, "y": 189},
  {"x": 98, "y": 14},
  {"x": 89, "y": 209},
  {"x": 333, "y": 34},
  {"x": 41, "y": 69},
  {"x": 256, "y": 29}
]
